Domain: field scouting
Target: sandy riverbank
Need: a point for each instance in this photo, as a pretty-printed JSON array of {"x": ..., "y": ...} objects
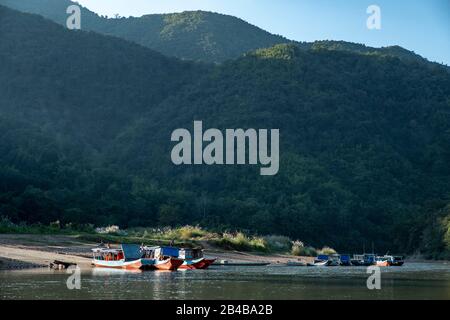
[{"x": 28, "y": 251}]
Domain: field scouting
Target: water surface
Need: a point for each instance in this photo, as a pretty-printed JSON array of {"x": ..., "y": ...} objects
[{"x": 412, "y": 281}]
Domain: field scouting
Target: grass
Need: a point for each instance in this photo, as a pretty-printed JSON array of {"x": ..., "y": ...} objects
[{"x": 186, "y": 236}]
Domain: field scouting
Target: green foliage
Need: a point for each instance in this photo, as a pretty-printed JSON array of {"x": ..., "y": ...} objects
[
  {"x": 7, "y": 226},
  {"x": 85, "y": 128},
  {"x": 278, "y": 243},
  {"x": 299, "y": 249},
  {"x": 241, "y": 242},
  {"x": 327, "y": 251}
]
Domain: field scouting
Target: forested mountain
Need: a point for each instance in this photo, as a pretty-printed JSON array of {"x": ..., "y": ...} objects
[
  {"x": 86, "y": 119},
  {"x": 193, "y": 35},
  {"x": 197, "y": 35}
]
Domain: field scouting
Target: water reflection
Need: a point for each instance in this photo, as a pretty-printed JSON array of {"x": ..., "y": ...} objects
[{"x": 414, "y": 281}]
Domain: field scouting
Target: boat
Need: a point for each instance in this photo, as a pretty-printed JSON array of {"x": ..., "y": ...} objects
[
  {"x": 388, "y": 261},
  {"x": 398, "y": 261},
  {"x": 191, "y": 259},
  {"x": 363, "y": 260},
  {"x": 334, "y": 260},
  {"x": 125, "y": 257},
  {"x": 132, "y": 257},
  {"x": 345, "y": 260},
  {"x": 324, "y": 260},
  {"x": 161, "y": 258}
]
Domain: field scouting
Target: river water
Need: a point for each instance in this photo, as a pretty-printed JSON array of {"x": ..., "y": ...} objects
[{"x": 412, "y": 281}]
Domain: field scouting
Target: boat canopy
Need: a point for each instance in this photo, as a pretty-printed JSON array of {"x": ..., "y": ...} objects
[{"x": 131, "y": 251}]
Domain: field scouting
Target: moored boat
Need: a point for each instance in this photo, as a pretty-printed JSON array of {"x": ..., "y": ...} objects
[
  {"x": 345, "y": 260},
  {"x": 161, "y": 258},
  {"x": 125, "y": 257},
  {"x": 388, "y": 261},
  {"x": 363, "y": 260},
  {"x": 191, "y": 259}
]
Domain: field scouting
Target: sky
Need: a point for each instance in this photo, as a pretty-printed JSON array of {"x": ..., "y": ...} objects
[{"x": 422, "y": 26}]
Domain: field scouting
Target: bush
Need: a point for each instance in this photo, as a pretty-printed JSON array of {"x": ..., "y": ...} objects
[
  {"x": 240, "y": 241},
  {"x": 327, "y": 251},
  {"x": 278, "y": 243},
  {"x": 111, "y": 230},
  {"x": 299, "y": 249}
]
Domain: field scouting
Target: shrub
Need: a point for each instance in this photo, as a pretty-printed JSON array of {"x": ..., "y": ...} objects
[
  {"x": 278, "y": 243},
  {"x": 299, "y": 249},
  {"x": 240, "y": 241},
  {"x": 110, "y": 230},
  {"x": 327, "y": 251}
]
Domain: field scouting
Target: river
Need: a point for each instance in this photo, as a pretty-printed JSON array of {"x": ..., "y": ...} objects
[{"x": 412, "y": 281}]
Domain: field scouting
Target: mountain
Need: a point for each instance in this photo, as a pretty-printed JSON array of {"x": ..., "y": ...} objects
[
  {"x": 363, "y": 138},
  {"x": 196, "y": 35},
  {"x": 86, "y": 120}
]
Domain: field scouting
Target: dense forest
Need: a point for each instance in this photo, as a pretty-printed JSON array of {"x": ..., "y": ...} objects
[{"x": 85, "y": 124}]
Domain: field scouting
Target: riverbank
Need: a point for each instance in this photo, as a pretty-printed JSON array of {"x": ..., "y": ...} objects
[{"x": 20, "y": 251}]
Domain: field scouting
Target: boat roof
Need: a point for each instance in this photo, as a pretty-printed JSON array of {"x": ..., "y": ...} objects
[
  {"x": 106, "y": 250},
  {"x": 131, "y": 251}
]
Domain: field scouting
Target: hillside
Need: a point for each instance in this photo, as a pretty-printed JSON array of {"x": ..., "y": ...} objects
[
  {"x": 85, "y": 138},
  {"x": 195, "y": 35}
]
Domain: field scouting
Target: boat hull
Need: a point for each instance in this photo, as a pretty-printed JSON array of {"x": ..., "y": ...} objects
[
  {"x": 383, "y": 264},
  {"x": 206, "y": 263},
  {"x": 170, "y": 264},
  {"x": 191, "y": 264},
  {"x": 121, "y": 264}
]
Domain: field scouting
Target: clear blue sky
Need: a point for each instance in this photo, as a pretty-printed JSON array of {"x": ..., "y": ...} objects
[{"x": 419, "y": 25}]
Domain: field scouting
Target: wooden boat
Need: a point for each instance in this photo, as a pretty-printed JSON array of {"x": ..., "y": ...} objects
[
  {"x": 190, "y": 258},
  {"x": 388, "y": 261},
  {"x": 321, "y": 263},
  {"x": 398, "y": 261},
  {"x": 363, "y": 260},
  {"x": 345, "y": 260},
  {"x": 334, "y": 260},
  {"x": 131, "y": 257},
  {"x": 122, "y": 258}
]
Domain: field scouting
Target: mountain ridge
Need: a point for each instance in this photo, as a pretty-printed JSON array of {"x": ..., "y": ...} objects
[{"x": 192, "y": 35}]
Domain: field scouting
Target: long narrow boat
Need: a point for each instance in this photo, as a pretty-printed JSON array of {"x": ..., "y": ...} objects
[
  {"x": 131, "y": 257},
  {"x": 389, "y": 261},
  {"x": 116, "y": 259},
  {"x": 191, "y": 259}
]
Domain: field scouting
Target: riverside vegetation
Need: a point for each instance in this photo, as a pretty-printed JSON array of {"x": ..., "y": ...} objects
[
  {"x": 86, "y": 120},
  {"x": 189, "y": 236}
]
